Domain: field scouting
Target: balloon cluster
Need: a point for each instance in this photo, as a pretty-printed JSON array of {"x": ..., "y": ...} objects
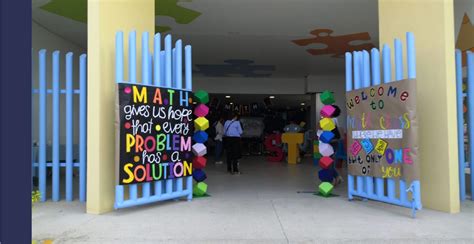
[
  {"x": 323, "y": 151},
  {"x": 201, "y": 124}
]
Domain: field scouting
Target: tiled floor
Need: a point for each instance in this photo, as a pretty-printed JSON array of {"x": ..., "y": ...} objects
[{"x": 260, "y": 206}]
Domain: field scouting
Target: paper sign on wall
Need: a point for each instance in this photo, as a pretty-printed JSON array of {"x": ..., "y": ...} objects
[
  {"x": 154, "y": 133},
  {"x": 382, "y": 131}
]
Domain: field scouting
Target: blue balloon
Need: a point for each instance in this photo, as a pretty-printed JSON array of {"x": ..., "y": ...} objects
[
  {"x": 326, "y": 175},
  {"x": 199, "y": 175},
  {"x": 326, "y": 136},
  {"x": 200, "y": 137}
]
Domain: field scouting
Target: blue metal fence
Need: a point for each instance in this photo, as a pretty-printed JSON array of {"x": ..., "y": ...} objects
[
  {"x": 165, "y": 68},
  {"x": 366, "y": 72},
  {"x": 469, "y": 95},
  {"x": 67, "y": 155}
]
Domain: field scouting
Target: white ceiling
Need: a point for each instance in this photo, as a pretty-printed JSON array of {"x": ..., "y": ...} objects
[{"x": 257, "y": 30}]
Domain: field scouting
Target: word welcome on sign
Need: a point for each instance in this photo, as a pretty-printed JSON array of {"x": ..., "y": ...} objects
[
  {"x": 382, "y": 131},
  {"x": 154, "y": 127}
]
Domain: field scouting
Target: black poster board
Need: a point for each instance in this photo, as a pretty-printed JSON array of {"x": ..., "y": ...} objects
[{"x": 154, "y": 133}]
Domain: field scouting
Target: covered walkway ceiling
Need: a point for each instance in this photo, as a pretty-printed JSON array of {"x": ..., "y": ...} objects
[{"x": 246, "y": 38}]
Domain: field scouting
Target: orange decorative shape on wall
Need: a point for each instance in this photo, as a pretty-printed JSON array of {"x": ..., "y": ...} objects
[
  {"x": 465, "y": 40},
  {"x": 335, "y": 45}
]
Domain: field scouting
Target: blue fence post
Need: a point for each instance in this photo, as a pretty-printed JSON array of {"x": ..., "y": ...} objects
[
  {"x": 179, "y": 64},
  {"x": 150, "y": 66},
  {"x": 188, "y": 67},
  {"x": 133, "y": 188},
  {"x": 357, "y": 69},
  {"x": 179, "y": 85},
  {"x": 411, "y": 70},
  {"x": 460, "y": 116},
  {"x": 366, "y": 70},
  {"x": 119, "y": 189},
  {"x": 42, "y": 123},
  {"x": 369, "y": 181},
  {"x": 375, "y": 66},
  {"x": 157, "y": 60},
  {"x": 398, "y": 76},
  {"x": 350, "y": 178},
  {"x": 82, "y": 126},
  {"x": 145, "y": 60},
  {"x": 173, "y": 67},
  {"x": 189, "y": 187},
  {"x": 358, "y": 83},
  {"x": 69, "y": 126},
  {"x": 387, "y": 73},
  {"x": 146, "y": 80},
  {"x": 470, "y": 99},
  {"x": 56, "y": 93},
  {"x": 168, "y": 61},
  {"x": 411, "y": 56},
  {"x": 168, "y": 83},
  {"x": 398, "y": 59},
  {"x": 163, "y": 68},
  {"x": 159, "y": 70},
  {"x": 188, "y": 87}
]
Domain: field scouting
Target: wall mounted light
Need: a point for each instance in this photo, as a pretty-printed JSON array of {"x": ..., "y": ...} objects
[
  {"x": 271, "y": 97},
  {"x": 227, "y": 96}
]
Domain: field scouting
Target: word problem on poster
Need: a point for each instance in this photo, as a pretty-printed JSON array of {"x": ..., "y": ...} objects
[
  {"x": 382, "y": 131},
  {"x": 155, "y": 130}
]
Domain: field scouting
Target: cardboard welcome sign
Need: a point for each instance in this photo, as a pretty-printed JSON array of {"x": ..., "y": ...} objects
[
  {"x": 382, "y": 131},
  {"x": 154, "y": 133}
]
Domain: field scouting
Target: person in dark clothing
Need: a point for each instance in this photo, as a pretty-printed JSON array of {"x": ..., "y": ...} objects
[{"x": 232, "y": 134}]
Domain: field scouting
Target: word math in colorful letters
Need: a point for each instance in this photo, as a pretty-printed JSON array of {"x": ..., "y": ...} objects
[{"x": 155, "y": 130}]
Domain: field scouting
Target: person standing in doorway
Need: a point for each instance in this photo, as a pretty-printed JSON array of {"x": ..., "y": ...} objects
[
  {"x": 219, "y": 127},
  {"x": 232, "y": 134}
]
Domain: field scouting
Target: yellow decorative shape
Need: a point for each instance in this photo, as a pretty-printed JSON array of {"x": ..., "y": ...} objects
[
  {"x": 201, "y": 123},
  {"x": 292, "y": 139},
  {"x": 327, "y": 124},
  {"x": 381, "y": 146}
]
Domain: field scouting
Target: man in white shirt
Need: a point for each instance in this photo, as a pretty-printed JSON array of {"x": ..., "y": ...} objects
[{"x": 233, "y": 132}]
